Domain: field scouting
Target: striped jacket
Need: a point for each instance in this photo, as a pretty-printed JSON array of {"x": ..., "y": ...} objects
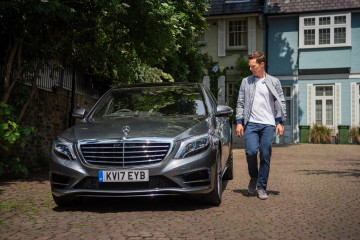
[{"x": 247, "y": 94}]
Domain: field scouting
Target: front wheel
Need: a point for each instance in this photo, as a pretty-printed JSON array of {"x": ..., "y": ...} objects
[{"x": 214, "y": 197}]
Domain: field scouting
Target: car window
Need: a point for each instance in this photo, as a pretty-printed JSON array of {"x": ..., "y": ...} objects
[{"x": 152, "y": 101}]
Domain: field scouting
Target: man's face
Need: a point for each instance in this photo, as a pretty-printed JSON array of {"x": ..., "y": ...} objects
[{"x": 256, "y": 68}]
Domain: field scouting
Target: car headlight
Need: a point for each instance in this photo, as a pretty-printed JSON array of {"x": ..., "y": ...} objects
[
  {"x": 64, "y": 149},
  {"x": 193, "y": 146}
]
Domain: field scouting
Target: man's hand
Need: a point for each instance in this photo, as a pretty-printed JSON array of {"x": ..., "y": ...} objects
[
  {"x": 239, "y": 130},
  {"x": 280, "y": 129}
]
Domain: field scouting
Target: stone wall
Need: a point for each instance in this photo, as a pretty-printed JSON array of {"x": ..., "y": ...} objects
[{"x": 48, "y": 113}]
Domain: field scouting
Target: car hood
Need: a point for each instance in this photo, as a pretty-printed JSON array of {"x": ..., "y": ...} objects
[{"x": 158, "y": 127}]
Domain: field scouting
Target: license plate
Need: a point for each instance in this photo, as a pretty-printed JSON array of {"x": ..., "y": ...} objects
[{"x": 124, "y": 176}]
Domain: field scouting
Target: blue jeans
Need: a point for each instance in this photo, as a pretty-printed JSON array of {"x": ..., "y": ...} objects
[{"x": 259, "y": 137}]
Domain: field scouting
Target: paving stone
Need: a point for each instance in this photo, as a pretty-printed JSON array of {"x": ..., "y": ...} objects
[{"x": 313, "y": 194}]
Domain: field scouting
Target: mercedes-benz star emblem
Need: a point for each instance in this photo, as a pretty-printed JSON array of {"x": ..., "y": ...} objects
[{"x": 126, "y": 130}]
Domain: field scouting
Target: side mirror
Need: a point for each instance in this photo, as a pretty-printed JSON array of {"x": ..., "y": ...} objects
[
  {"x": 80, "y": 113},
  {"x": 223, "y": 111}
]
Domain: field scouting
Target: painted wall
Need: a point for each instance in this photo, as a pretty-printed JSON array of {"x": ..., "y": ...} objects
[
  {"x": 355, "y": 42},
  {"x": 283, "y": 45},
  {"x": 211, "y": 44},
  {"x": 345, "y": 98},
  {"x": 325, "y": 58}
]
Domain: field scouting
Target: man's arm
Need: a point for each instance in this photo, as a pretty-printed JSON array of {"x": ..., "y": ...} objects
[{"x": 240, "y": 110}]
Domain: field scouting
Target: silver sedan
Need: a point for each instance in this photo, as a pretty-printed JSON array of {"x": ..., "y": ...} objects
[{"x": 145, "y": 140}]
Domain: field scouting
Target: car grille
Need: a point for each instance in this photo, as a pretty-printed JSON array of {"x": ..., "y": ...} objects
[
  {"x": 155, "y": 182},
  {"x": 125, "y": 154}
]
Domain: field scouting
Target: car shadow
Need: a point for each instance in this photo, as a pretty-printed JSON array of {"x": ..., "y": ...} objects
[
  {"x": 245, "y": 193},
  {"x": 138, "y": 204}
]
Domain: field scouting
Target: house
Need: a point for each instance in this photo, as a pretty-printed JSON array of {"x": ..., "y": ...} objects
[
  {"x": 235, "y": 28},
  {"x": 313, "y": 47}
]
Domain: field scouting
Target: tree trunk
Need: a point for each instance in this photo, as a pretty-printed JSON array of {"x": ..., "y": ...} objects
[
  {"x": 8, "y": 72},
  {"x": 18, "y": 74},
  {"x": 32, "y": 92}
]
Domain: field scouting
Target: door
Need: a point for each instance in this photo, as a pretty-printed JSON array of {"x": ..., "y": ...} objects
[{"x": 288, "y": 133}]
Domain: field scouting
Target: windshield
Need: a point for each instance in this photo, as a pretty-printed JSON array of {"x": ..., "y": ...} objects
[{"x": 152, "y": 101}]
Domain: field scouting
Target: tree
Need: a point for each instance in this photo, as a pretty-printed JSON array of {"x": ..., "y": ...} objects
[{"x": 108, "y": 39}]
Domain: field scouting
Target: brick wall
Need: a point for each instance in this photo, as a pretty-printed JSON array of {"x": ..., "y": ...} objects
[{"x": 49, "y": 114}]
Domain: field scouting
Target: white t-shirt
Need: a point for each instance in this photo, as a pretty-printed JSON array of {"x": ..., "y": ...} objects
[{"x": 263, "y": 108}]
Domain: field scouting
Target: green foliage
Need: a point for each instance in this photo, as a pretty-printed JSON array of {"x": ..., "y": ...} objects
[
  {"x": 11, "y": 134},
  {"x": 214, "y": 72},
  {"x": 146, "y": 74},
  {"x": 106, "y": 39},
  {"x": 320, "y": 134},
  {"x": 354, "y": 134}
]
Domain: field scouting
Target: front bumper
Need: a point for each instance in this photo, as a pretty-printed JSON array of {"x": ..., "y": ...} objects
[{"x": 192, "y": 175}]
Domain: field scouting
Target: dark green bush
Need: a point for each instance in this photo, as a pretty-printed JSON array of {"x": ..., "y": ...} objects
[
  {"x": 12, "y": 135},
  {"x": 320, "y": 134},
  {"x": 354, "y": 134}
]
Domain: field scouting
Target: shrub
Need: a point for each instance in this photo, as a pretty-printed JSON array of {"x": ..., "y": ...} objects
[
  {"x": 320, "y": 134},
  {"x": 11, "y": 135},
  {"x": 355, "y": 135}
]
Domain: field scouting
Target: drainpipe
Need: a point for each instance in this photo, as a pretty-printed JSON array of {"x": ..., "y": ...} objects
[{"x": 266, "y": 41}]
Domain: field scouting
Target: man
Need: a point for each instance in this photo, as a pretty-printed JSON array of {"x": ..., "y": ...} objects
[{"x": 260, "y": 112}]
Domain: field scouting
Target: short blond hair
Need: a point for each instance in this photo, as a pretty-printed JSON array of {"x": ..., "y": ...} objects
[{"x": 259, "y": 56}]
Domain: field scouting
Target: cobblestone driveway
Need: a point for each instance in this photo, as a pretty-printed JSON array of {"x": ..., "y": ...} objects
[{"x": 314, "y": 193}]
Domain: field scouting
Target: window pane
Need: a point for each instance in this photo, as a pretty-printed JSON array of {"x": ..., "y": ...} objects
[
  {"x": 309, "y": 37},
  {"x": 324, "y": 21},
  {"x": 324, "y": 36},
  {"x": 340, "y": 35},
  {"x": 329, "y": 112},
  {"x": 328, "y": 91},
  {"x": 340, "y": 20},
  {"x": 319, "y": 91},
  {"x": 286, "y": 91},
  {"x": 237, "y": 33},
  {"x": 318, "y": 113},
  {"x": 309, "y": 21},
  {"x": 288, "y": 112}
]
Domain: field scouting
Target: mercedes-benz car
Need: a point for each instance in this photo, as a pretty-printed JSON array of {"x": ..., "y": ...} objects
[{"x": 145, "y": 140}]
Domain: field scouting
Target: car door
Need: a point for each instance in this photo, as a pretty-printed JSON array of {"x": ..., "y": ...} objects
[{"x": 222, "y": 129}]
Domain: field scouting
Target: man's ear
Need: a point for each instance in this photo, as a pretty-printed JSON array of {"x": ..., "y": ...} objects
[{"x": 262, "y": 64}]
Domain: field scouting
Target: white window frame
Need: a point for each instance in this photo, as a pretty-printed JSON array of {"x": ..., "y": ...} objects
[
  {"x": 357, "y": 108},
  {"x": 289, "y": 98},
  {"x": 324, "y": 98},
  {"x": 332, "y": 26},
  {"x": 240, "y": 47}
]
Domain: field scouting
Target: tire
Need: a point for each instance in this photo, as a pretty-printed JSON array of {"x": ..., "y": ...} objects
[
  {"x": 229, "y": 174},
  {"x": 214, "y": 197},
  {"x": 66, "y": 201}
]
